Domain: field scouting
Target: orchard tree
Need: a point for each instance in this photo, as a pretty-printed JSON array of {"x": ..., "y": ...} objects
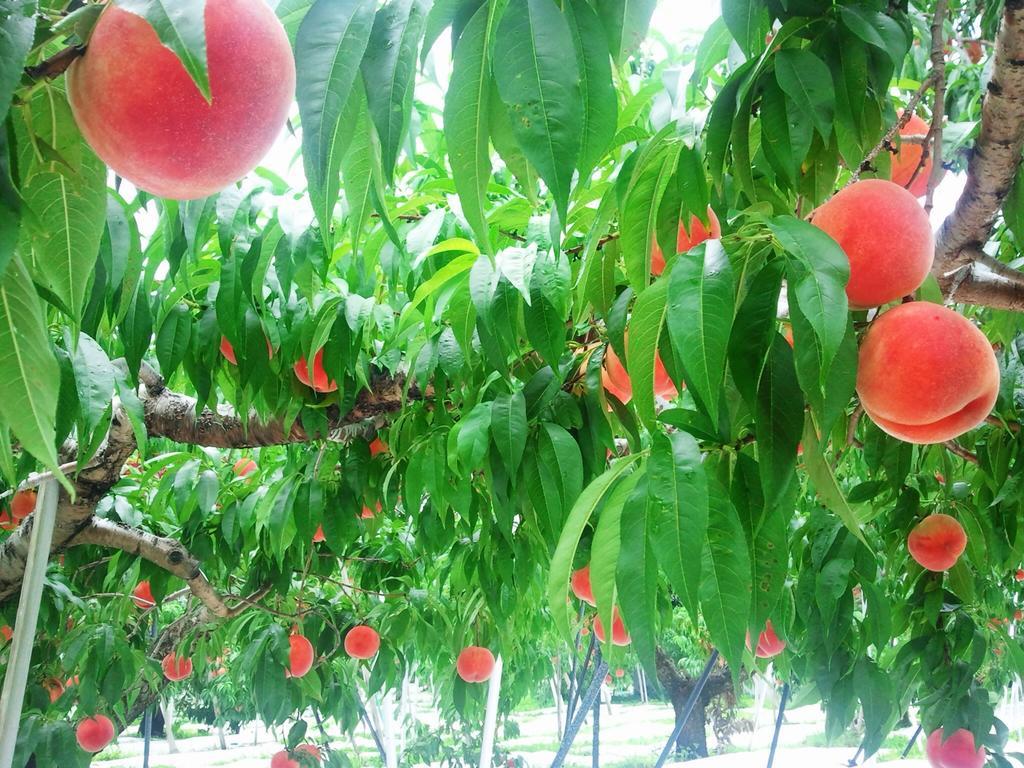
[{"x": 525, "y": 311}]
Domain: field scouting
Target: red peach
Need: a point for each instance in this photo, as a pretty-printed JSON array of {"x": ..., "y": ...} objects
[
  {"x": 885, "y": 234},
  {"x": 620, "y": 636},
  {"x": 905, "y": 162},
  {"x": 7, "y": 522},
  {"x": 937, "y": 542},
  {"x": 319, "y": 535},
  {"x": 320, "y": 381},
  {"x": 94, "y": 733},
  {"x": 1019, "y": 575},
  {"x": 228, "y": 351},
  {"x": 176, "y": 667},
  {"x": 23, "y": 504},
  {"x": 244, "y": 466},
  {"x": 769, "y": 644},
  {"x": 362, "y": 642},
  {"x": 141, "y": 112},
  {"x": 6, "y": 633},
  {"x": 475, "y": 664},
  {"x": 926, "y": 374},
  {"x": 142, "y": 596},
  {"x": 616, "y": 380},
  {"x": 378, "y": 447},
  {"x": 580, "y": 584},
  {"x": 54, "y": 687},
  {"x": 300, "y": 656},
  {"x": 620, "y": 672},
  {"x": 958, "y": 751},
  {"x": 687, "y": 240}
]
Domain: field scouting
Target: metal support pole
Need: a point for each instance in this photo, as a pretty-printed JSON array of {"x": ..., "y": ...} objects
[
  {"x": 588, "y": 701},
  {"x": 147, "y": 723},
  {"x": 695, "y": 695},
  {"x": 491, "y": 715},
  {"x": 577, "y": 689},
  {"x": 42, "y": 522},
  {"x": 913, "y": 739},
  {"x": 852, "y": 762},
  {"x": 373, "y": 732},
  {"x": 575, "y": 660},
  {"x": 595, "y": 759},
  {"x": 778, "y": 724}
]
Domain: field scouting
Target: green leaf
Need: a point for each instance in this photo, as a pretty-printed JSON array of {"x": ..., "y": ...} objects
[
  {"x": 604, "y": 549},
  {"x": 94, "y": 382},
  {"x": 824, "y": 480},
  {"x": 67, "y": 200},
  {"x": 389, "y": 69},
  {"x": 181, "y": 26},
  {"x": 467, "y": 119},
  {"x": 561, "y": 563},
  {"x": 753, "y": 330},
  {"x": 28, "y": 393},
  {"x": 747, "y": 20},
  {"x": 600, "y": 104},
  {"x": 17, "y": 30},
  {"x": 357, "y": 164},
  {"x": 474, "y": 434},
  {"x": 637, "y": 578},
  {"x": 678, "y": 512},
  {"x": 766, "y": 528},
  {"x": 562, "y": 462},
  {"x": 625, "y": 24},
  {"x": 539, "y": 82},
  {"x": 778, "y": 421},
  {"x": 329, "y": 47},
  {"x": 645, "y": 328},
  {"x": 818, "y": 271},
  {"x": 508, "y": 429},
  {"x": 173, "y": 338},
  {"x": 545, "y": 317},
  {"x": 806, "y": 80},
  {"x": 876, "y": 29},
  {"x": 725, "y": 585},
  {"x": 701, "y": 304},
  {"x": 651, "y": 176},
  {"x": 291, "y": 13}
]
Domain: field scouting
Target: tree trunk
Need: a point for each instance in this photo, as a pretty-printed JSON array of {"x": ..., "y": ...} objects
[{"x": 692, "y": 742}]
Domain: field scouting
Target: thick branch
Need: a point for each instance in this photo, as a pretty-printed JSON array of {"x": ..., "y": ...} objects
[
  {"x": 173, "y": 415},
  {"x": 990, "y": 176},
  {"x": 166, "y": 553}
]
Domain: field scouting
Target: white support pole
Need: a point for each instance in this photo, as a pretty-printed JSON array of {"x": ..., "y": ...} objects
[
  {"x": 28, "y": 615},
  {"x": 491, "y": 716},
  {"x": 387, "y": 717}
]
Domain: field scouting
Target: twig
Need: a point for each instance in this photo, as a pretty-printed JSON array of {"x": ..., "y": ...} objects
[
  {"x": 576, "y": 250},
  {"x": 851, "y": 430},
  {"x": 56, "y": 65},
  {"x": 939, "y": 103},
  {"x": 960, "y": 451}
]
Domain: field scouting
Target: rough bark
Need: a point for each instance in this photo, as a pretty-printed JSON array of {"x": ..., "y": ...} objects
[
  {"x": 964, "y": 273},
  {"x": 692, "y": 742}
]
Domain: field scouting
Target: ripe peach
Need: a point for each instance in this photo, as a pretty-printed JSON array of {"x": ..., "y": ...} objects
[
  {"x": 6, "y": 633},
  {"x": 926, "y": 374},
  {"x": 885, "y": 234},
  {"x": 94, "y": 733},
  {"x": 580, "y": 584},
  {"x": 905, "y": 162},
  {"x": 1019, "y": 575},
  {"x": 620, "y": 636},
  {"x": 362, "y": 642},
  {"x": 369, "y": 514},
  {"x": 686, "y": 240},
  {"x": 54, "y": 687},
  {"x": 937, "y": 542},
  {"x": 769, "y": 644},
  {"x": 7, "y": 522},
  {"x": 308, "y": 753},
  {"x": 23, "y": 504},
  {"x": 475, "y": 664},
  {"x": 300, "y": 656},
  {"x": 143, "y": 115},
  {"x": 228, "y": 351},
  {"x": 958, "y": 751},
  {"x": 142, "y": 596},
  {"x": 319, "y": 535},
  {"x": 616, "y": 380},
  {"x": 620, "y": 672},
  {"x": 974, "y": 50},
  {"x": 378, "y": 447},
  {"x": 176, "y": 667},
  {"x": 244, "y": 466},
  {"x": 1018, "y": 615},
  {"x": 320, "y": 382}
]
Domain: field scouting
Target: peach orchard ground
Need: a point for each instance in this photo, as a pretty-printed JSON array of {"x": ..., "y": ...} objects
[{"x": 631, "y": 736}]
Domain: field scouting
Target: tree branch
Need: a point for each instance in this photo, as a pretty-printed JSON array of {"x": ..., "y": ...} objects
[
  {"x": 958, "y": 267},
  {"x": 173, "y": 416}
]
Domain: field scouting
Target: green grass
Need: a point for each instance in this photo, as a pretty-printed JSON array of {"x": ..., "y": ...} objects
[{"x": 110, "y": 753}]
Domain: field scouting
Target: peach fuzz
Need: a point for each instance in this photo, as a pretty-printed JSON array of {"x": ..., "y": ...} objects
[
  {"x": 958, "y": 751},
  {"x": 685, "y": 240},
  {"x": 906, "y": 160},
  {"x": 580, "y": 584},
  {"x": 475, "y": 664},
  {"x": 937, "y": 542},
  {"x": 362, "y": 642},
  {"x": 140, "y": 111},
  {"x": 620, "y": 636},
  {"x": 886, "y": 235},
  {"x": 926, "y": 374}
]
